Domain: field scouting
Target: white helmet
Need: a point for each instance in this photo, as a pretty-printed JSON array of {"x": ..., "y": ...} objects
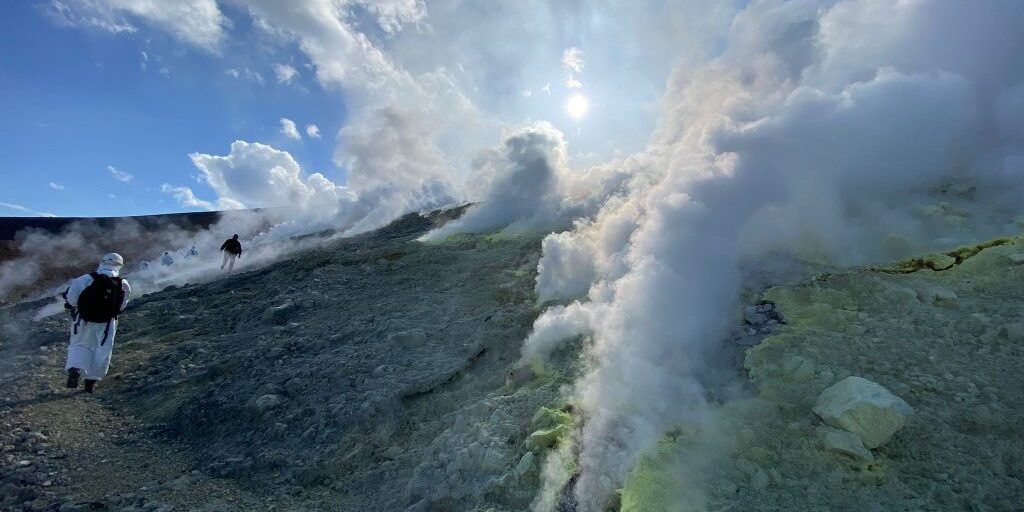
[{"x": 112, "y": 260}]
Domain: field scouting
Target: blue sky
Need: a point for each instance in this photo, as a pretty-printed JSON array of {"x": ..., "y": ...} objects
[
  {"x": 407, "y": 97},
  {"x": 76, "y": 101}
]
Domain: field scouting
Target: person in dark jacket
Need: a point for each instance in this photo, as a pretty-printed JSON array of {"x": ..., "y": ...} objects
[{"x": 232, "y": 249}]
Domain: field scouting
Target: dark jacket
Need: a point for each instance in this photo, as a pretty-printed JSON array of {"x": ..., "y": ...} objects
[{"x": 233, "y": 246}]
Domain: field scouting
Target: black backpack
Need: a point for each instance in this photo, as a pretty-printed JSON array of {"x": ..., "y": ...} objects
[{"x": 101, "y": 301}]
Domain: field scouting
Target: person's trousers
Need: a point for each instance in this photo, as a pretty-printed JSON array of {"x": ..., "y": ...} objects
[
  {"x": 229, "y": 260},
  {"x": 90, "y": 348}
]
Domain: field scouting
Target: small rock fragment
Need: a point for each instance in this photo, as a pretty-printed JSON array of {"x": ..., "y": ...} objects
[
  {"x": 411, "y": 338},
  {"x": 267, "y": 402},
  {"x": 525, "y": 465},
  {"x": 939, "y": 297},
  {"x": 846, "y": 443},
  {"x": 279, "y": 315}
]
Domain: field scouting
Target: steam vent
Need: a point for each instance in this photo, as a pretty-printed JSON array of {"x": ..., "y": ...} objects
[{"x": 512, "y": 256}]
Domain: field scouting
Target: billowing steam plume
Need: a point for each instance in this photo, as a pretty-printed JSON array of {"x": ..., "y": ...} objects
[
  {"x": 822, "y": 129},
  {"x": 841, "y": 130}
]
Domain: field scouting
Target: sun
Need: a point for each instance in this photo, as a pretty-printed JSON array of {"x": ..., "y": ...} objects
[{"x": 577, "y": 106}]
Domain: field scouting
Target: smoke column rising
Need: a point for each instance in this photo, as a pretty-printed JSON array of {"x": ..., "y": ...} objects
[
  {"x": 816, "y": 127},
  {"x": 822, "y": 128}
]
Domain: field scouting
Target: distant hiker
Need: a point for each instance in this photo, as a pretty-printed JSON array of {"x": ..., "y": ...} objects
[
  {"x": 95, "y": 301},
  {"x": 232, "y": 249},
  {"x": 192, "y": 252},
  {"x": 167, "y": 260},
  {"x": 144, "y": 265}
]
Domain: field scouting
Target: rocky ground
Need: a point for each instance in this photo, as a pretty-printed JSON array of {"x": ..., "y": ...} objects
[
  {"x": 379, "y": 373},
  {"x": 369, "y": 374},
  {"x": 944, "y": 333}
]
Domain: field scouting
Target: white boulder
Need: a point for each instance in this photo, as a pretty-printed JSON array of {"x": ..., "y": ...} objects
[{"x": 864, "y": 408}]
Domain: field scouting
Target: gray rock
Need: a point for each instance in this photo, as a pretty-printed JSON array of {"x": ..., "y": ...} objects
[
  {"x": 846, "y": 443},
  {"x": 279, "y": 315},
  {"x": 267, "y": 402},
  {"x": 762, "y": 317},
  {"x": 1015, "y": 332},
  {"x": 939, "y": 297},
  {"x": 526, "y": 464},
  {"x": 82, "y": 506},
  {"x": 864, "y": 408}
]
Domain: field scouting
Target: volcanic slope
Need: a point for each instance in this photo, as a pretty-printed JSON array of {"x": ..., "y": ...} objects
[
  {"x": 945, "y": 332},
  {"x": 369, "y": 374}
]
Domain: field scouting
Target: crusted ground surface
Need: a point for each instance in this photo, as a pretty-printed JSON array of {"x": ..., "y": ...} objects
[
  {"x": 370, "y": 374},
  {"x": 949, "y": 342}
]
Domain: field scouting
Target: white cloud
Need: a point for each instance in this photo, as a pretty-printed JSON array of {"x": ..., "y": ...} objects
[
  {"x": 285, "y": 73},
  {"x": 313, "y": 131},
  {"x": 323, "y": 33},
  {"x": 255, "y": 175},
  {"x": 72, "y": 13},
  {"x": 572, "y": 63},
  {"x": 245, "y": 73},
  {"x": 392, "y": 15},
  {"x": 572, "y": 60},
  {"x": 186, "y": 197},
  {"x": 289, "y": 129},
  {"x": 56, "y": 186},
  {"x": 23, "y": 209},
  {"x": 119, "y": 175},
  {"x": 197, "y": 22}
]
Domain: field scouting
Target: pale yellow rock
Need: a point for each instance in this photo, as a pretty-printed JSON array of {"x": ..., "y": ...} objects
[{"x": 864, "y": 408}]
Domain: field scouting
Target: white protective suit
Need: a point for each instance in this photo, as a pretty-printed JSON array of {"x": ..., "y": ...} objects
[
  {"x": 167, "y": 260},
  {"x": 92, "y": 343}
]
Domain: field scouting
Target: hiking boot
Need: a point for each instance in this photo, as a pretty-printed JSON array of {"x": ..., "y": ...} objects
[
  {"x": 89, "y": 385},
  {"x": 73, "y": 374}
]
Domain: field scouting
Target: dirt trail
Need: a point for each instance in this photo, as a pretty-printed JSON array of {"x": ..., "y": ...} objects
[{"x": 68, "y": 450}]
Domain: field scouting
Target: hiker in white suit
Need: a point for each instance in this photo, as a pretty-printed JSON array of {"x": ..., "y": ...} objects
[{"x": 95, "y": 301}]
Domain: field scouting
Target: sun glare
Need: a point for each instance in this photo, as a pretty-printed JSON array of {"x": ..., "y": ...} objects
[{"x": 577, "y": 106}]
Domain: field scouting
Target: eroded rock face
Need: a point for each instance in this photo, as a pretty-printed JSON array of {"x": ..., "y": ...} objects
[{"x": 864, "y": 408}]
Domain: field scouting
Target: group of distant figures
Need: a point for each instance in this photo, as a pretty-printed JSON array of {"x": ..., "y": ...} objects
[
  {"x": 96, "y": 299},
  {"x": 231, "y": 248}
]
